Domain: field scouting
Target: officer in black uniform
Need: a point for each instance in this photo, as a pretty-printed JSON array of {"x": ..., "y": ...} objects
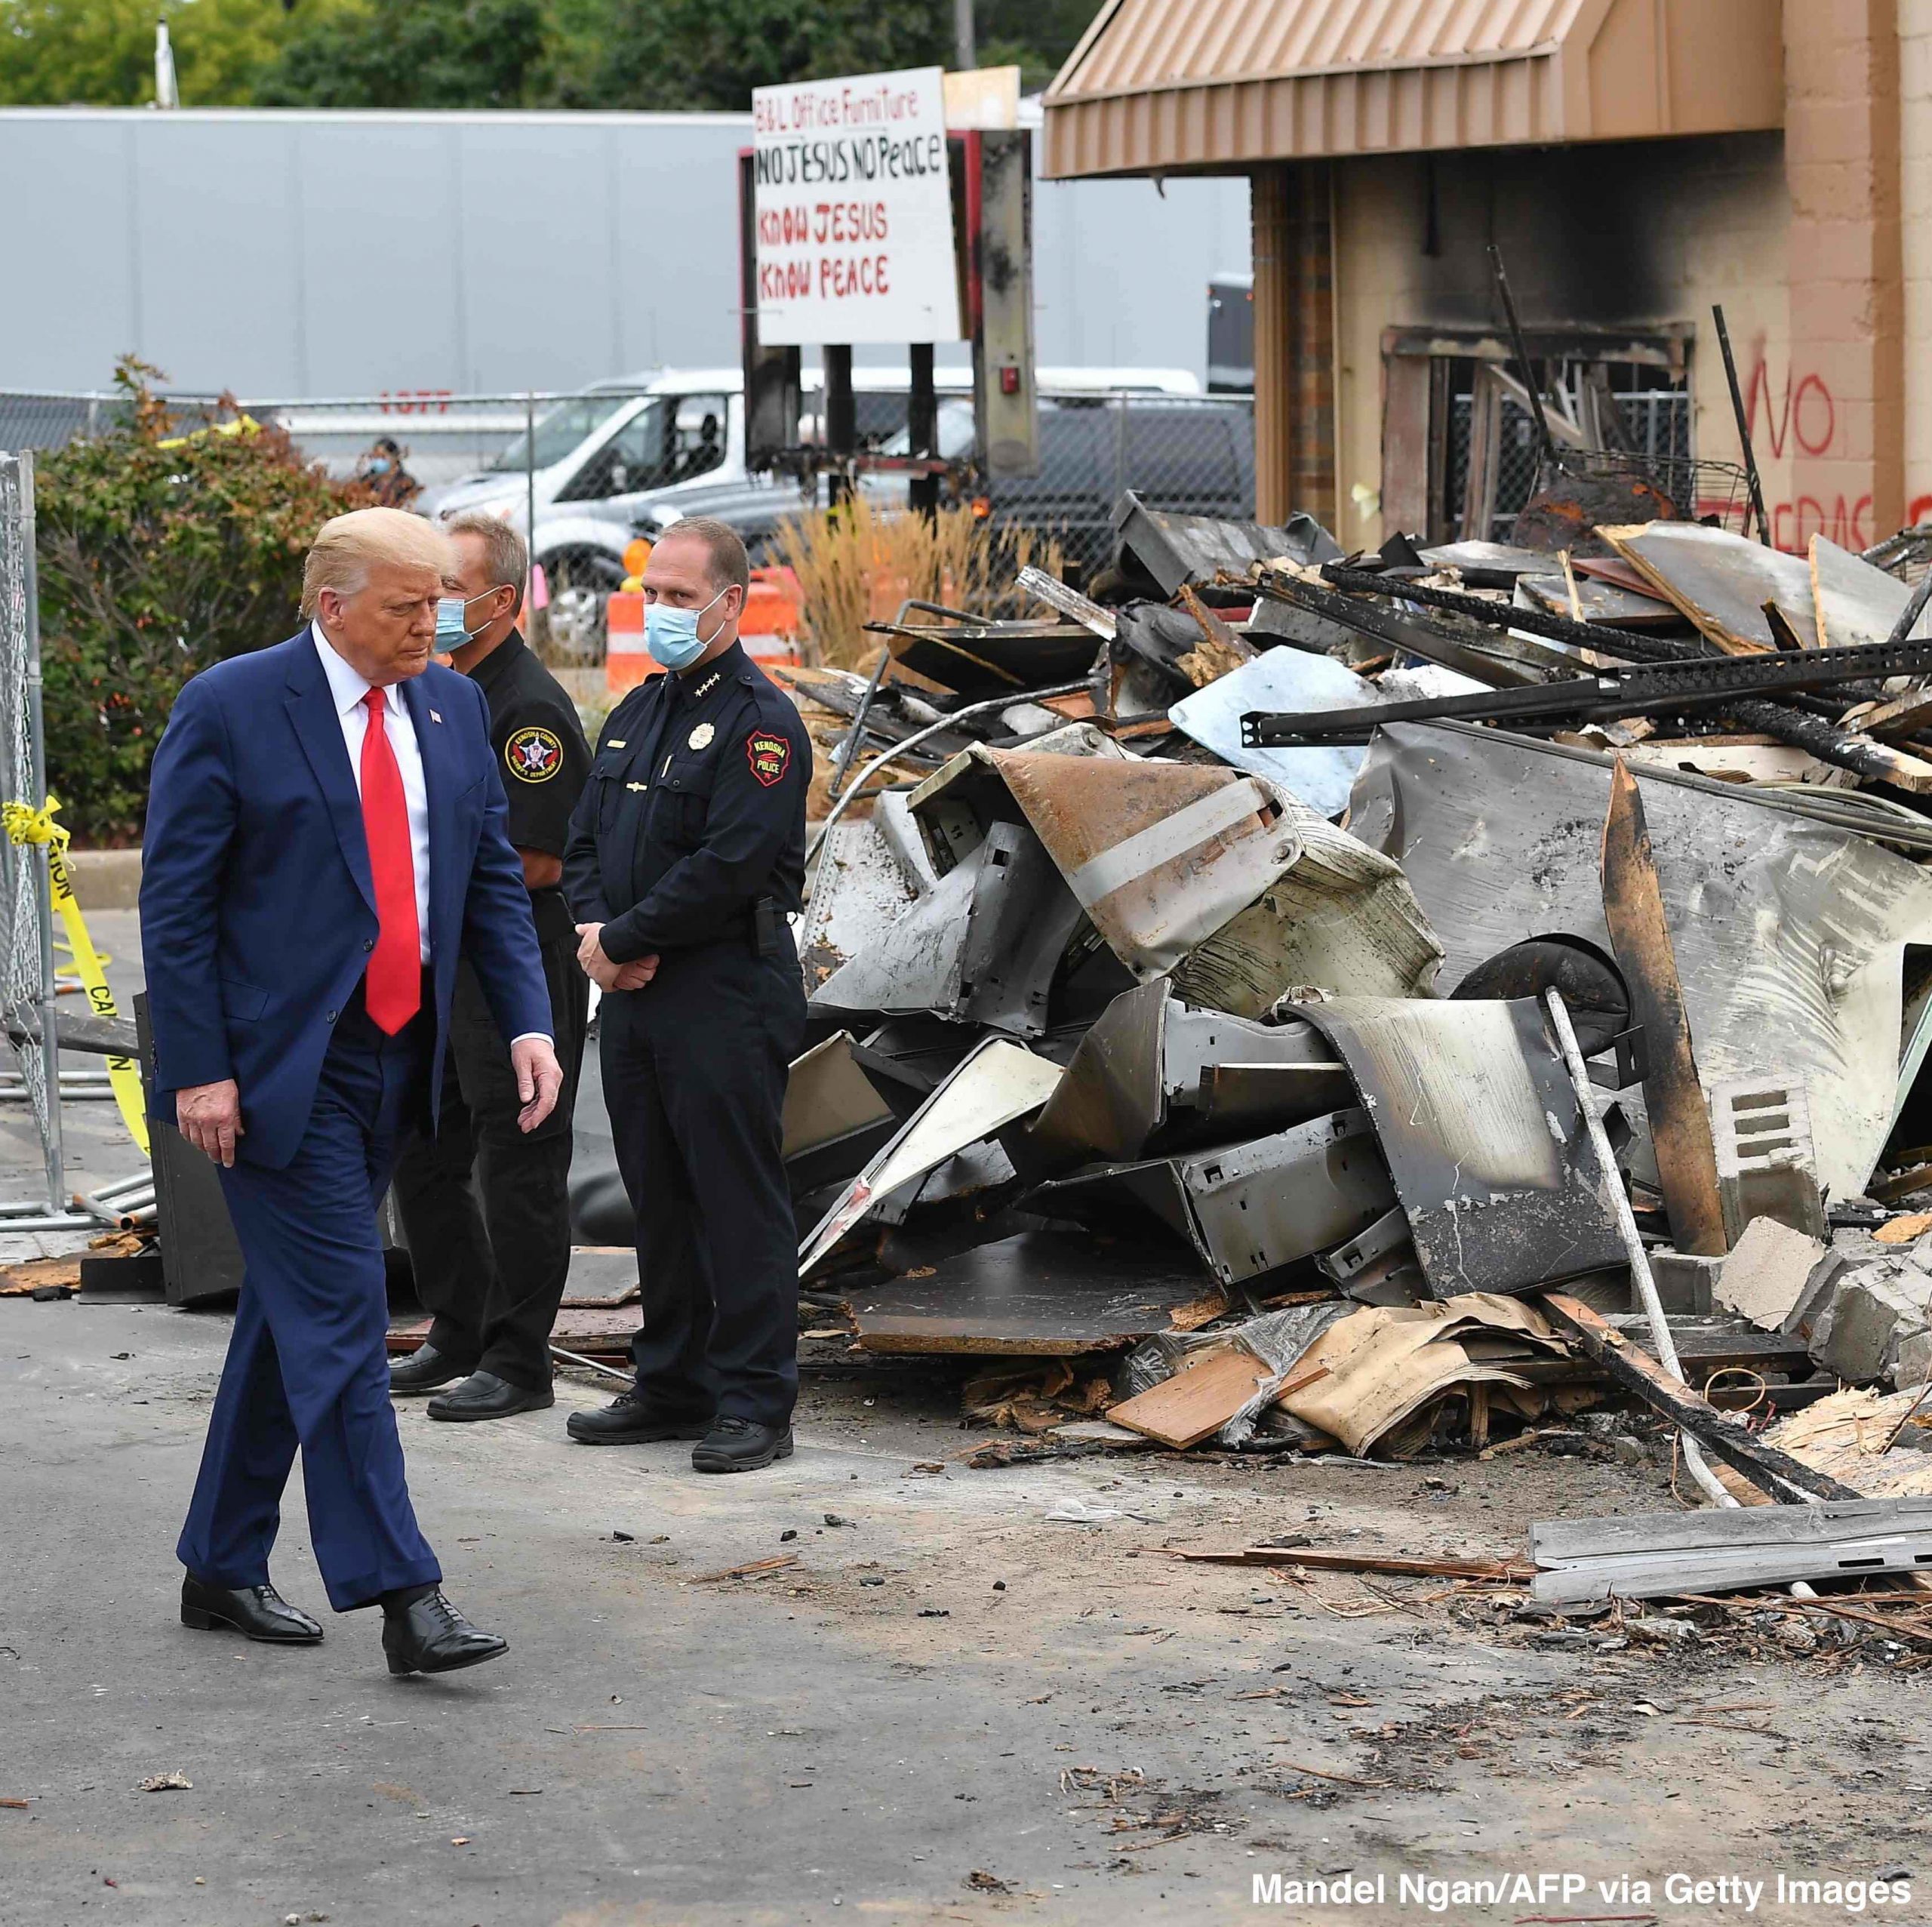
[
  {"x": 686, "y": 857},
  {"x": 493, "y": 1276}
]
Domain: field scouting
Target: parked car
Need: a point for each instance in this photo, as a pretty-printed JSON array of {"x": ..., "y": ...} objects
[
  {"x": 600, "y": 463},
  {"x": 1191, "y": 454}
]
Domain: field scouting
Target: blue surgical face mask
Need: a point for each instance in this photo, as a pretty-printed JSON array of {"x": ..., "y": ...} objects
[
  {"x": 453, "y": 628},
  {"x": 671, "y": 635}
]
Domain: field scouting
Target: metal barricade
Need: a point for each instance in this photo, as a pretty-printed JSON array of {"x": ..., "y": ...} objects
[{"x": 27, "y": 988}]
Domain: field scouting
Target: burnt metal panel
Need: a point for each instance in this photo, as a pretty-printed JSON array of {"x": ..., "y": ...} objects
[
  {"x": 1264, "y": 1203},
  {"x": 1250, "y": 1208},
  {"x": 1489, "y": 1153},
  {"x": 1176, "y": 549},
  {"x": 1151, "y": 1070},
  {"x": 1022, "y": 918},
  {"x": 1790, "y": 931}
]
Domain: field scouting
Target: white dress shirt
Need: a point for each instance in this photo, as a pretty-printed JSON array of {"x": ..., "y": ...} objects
[{"x": 348, "y": 691}]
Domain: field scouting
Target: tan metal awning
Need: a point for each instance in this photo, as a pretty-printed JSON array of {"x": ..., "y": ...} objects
[{"x": 1218, "y": 85}]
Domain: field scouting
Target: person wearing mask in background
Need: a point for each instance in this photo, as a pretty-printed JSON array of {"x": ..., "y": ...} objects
[
  {"x": 686, "y": 859},
  {"x": 492, "y": 1274}
]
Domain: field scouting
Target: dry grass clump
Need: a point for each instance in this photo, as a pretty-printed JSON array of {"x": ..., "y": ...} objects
[{"x": 858, "y": 563}]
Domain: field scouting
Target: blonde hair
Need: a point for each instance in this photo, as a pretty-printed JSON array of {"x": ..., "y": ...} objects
[{"x": 346, "y": 546}]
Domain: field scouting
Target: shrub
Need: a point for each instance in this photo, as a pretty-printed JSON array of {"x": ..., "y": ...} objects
[{"x": 164, "y": 547}]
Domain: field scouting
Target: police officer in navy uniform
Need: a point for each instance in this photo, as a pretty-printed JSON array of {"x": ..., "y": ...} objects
[
  {"x": 686, "y": 858},
  {"x": 492, "y": 1276}
]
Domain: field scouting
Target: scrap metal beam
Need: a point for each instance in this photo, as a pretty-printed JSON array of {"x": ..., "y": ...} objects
[
  {"x": 1706, "y": 682},
  {"x": 98, "y": 1036}
]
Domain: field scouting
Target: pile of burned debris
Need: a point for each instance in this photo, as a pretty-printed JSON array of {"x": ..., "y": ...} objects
[{"x": 1364, "y": 1004}]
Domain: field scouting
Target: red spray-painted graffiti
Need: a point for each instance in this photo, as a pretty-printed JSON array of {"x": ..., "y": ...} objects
[
  {"x": 1798, "y": 416},
  {"x": 1802, "y": 417}
]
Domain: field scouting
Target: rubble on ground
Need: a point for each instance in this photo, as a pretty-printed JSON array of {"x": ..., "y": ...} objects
[{"x": 1179, "y": 973}]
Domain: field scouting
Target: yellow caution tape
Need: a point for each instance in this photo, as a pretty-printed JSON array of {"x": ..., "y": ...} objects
[{"x": 24, "y": 824}]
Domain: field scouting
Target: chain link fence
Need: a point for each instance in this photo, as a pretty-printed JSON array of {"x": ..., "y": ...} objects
[
  {"x": 27, "y": 990},
  {"x": 595, "y": 468}
]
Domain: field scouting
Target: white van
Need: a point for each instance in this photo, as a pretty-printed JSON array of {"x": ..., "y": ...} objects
[{"x": 604, "y": 459}]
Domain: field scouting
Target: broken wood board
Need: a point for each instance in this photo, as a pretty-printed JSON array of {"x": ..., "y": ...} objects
[
  {"x": 1651, "y": 1555},
  {"x": 1721, "y": 581},
  {"x": 601, "y": 1275},
  {"x": 1384, "y": 1365},
  {"x": 1673, "y": 1097},
  {"x": 1844, "y": 1438},
  {"x": 1787, "y": 1479},
  {"x": 1322, "y": 1559},
  {"x": 1042, "y": 1294},
  {"x": 1854, "y": 603},
  {"x": 1904, "y": 716},
  {"x": 1202, "y": 1397},
  {"x": 1740, "y": 759},
  {"x": 1608, "y": 605}
]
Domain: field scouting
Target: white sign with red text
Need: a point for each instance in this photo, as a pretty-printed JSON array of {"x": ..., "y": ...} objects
[{"x": 853, "y": 211}]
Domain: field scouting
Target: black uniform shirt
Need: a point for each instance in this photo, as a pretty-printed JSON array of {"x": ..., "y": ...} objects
[
  {"x": 695, "y": 810},
  {"x": 542, "y": 758},
  {"x": 534, "y": 731}
]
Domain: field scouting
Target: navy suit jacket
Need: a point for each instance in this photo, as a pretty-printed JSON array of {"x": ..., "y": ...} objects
[{"x": 258, "y": 913}]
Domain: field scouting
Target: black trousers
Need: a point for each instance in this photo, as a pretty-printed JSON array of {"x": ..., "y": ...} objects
[
  {"x": 694, "y": 1067},
  {"x": 492, "y": 1256}
]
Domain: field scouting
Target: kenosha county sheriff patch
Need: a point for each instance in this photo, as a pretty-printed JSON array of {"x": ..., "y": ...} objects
[
  {"x": 533, "y": 755},
  {"x": 769, "y": 754}
]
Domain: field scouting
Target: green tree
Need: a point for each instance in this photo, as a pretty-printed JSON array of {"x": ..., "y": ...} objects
[
  {"x": 101, "y": 53},
  {"x": 686, "y": 54},
  {"x": 1033, "y": 36},
  {"x": 404, "y": 53},
  {"x": 164, "y": 546}
]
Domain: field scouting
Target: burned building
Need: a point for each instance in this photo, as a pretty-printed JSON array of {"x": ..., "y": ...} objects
[{"x": 1639, "y": 162}]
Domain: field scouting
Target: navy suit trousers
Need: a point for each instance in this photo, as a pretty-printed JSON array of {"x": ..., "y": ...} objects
[{"x": 307, "y": 1363}]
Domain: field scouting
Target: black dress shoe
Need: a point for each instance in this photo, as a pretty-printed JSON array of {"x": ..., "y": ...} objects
[
  {"x": 256, "y": 1612},
  {"x": 430, "y": 1636},
  {"x": 423, "y": 1370},
  {"x": 629, "y": 1420},
  {"x": 483, "y": 1395},
  {"x": 741, "y": 1444}
]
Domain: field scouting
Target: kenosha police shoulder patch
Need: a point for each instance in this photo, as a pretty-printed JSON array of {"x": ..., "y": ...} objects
[
  {"x": 769, "y": 754},
  {"x": 533, "y": 754}
]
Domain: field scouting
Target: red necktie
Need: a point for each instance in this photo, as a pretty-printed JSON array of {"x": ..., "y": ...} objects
[{"x": 394, "y": 984}]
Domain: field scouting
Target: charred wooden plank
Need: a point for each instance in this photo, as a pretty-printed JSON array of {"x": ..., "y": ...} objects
[
  {"x": 1673, "y": 1096},
  {"x": 1786, "y": 1479}
]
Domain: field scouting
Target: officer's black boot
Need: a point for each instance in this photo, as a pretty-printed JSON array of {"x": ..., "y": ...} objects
[
  {"x": 740, "y": 1445},
  {"x": 628, "y": 1420}
]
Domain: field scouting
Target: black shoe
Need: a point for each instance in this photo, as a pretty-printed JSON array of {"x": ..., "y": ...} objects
[
  {"x": 256, "y": 1612},
  {"x": 629, "y": 1420},
  {"x": 423, "y": 1370},
  {"x": 430, "y": 1636},
  {"x": 741, "y": 1444},
  {"x": 483, "y": 1395}
]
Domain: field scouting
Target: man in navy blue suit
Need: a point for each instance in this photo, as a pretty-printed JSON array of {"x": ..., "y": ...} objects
[{"x": 325, "y": 836}]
